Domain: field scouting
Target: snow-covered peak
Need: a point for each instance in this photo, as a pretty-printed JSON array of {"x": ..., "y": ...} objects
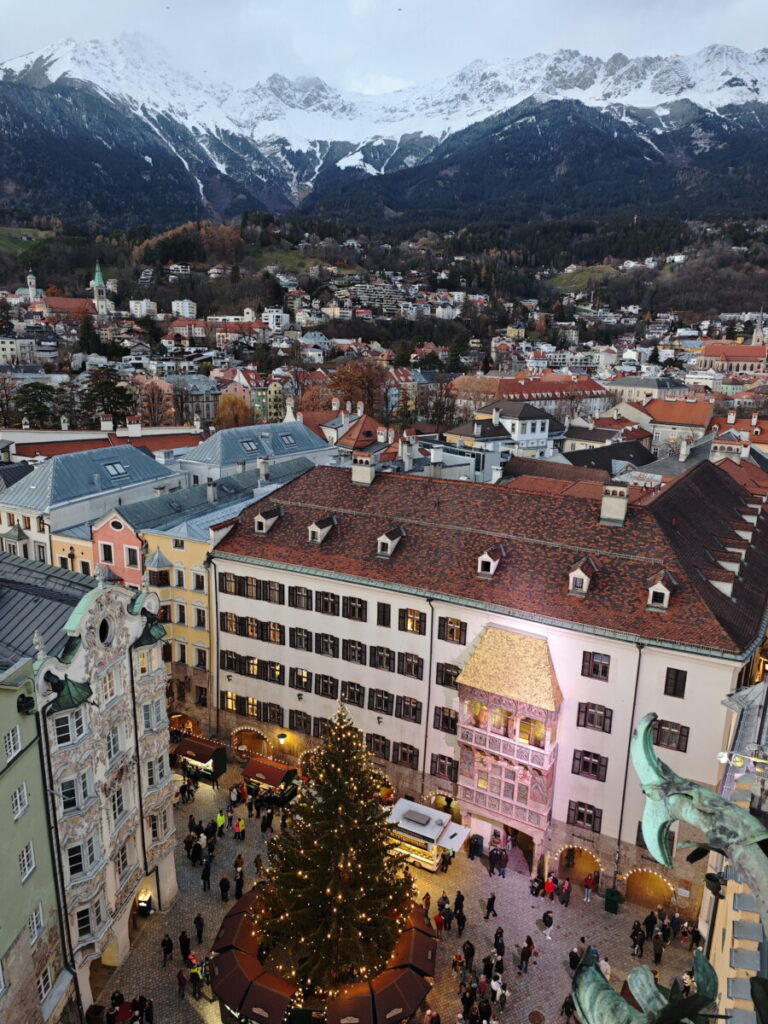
[{"x": 135, "y": 70}]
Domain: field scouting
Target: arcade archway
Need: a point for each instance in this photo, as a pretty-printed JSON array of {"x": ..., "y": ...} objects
[
  {"x": 648, "y": 888},
  {"x": 185, "y": 725},
  {"x": 576, "y": 862},
  {"x": 443, "y": 802},
  {"x": 248, "y": 742}
]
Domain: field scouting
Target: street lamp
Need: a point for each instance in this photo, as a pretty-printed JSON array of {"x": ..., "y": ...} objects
[{"x": 281, "y": 738}]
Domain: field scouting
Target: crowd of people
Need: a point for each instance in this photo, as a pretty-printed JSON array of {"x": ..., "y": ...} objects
[{"x": 133, "y": 1011}]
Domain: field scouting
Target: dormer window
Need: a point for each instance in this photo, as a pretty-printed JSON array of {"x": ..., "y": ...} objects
[
  {"x": 580, "y": 577},
  {"x": 265, "y": 520},
  {"x": 387, "y": 542},
  {"x": 489, "y": 561},
  {"x": 660, "y": 588},
  {"x": 319, "y": 530}
]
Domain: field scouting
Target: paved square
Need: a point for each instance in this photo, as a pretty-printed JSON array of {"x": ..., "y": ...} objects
[{"x": 535, "y": 997}]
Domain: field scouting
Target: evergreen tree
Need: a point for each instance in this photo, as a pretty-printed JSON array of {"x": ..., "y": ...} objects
[
  {"x": 336, "y": 897},
  {"x": 87, "y": 334},
  {"x": 653, "y": 358},
  {"x": 36, "y": 402},
  {"x": 6, "y": 323},
  {"x": 105, "y": 393}
]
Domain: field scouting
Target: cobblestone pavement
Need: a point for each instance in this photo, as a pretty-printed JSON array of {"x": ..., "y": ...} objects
[{"x": 535, "y": 997}]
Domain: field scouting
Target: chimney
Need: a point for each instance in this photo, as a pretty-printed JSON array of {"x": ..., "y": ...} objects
[
  {"x": 381, "y": 435},
  {"x": 496, "y": 416},
  {"x": 477, "y": 428},
  {"x": 134, "y": 426},
  {"x": 263, "y": 467},
  {"x": 65, "y": 423},
  {"x": 731, "y": 417},
  {"x": 616, "y": 413},
  {"x": 436, "y": 454},
  {"x": 348, "y": 407},
  {"x": 196, "y": 423},
  {"x": 497, "y": 472},
  {"x": 754, "y": 419},
  {"x": 290, "y": 414},
  {"x": 363, "y": 472},
  {"x": 299, "y": 417},
  {"x": 646, "y": 400},
  {"x": 241, "y": 466},
  {"x": 210, "y": 491},
  {"x": 360, "y": 408},
  {"x": 613, "y": 507},
  {"x": 345, "y": 419},
  {"x": 106, "y": 423},
  {"x": 407, "y": 458},
  {"x": 335, "y": 404},
  {"x": 390, "y": 435},
  {"x": 684, "y": 451}
]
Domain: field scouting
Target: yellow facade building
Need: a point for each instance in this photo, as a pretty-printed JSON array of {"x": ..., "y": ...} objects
[{"x": 72, "y": 548}]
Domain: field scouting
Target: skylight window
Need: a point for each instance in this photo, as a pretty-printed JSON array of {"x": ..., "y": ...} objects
[
  {"x": 287, "y": 440},
  {"x": 115, "y": 468},
  {"x": 250, "y": 446}
]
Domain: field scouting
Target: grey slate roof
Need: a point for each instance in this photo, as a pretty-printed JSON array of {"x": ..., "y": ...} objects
[
  {"x": 260, "y": 441},
  {"x": 13, "y": 472},
  {"x": 35, "y": 596},
  {"x": 194, "y": 383},
  {"x": 66, "y": 478},
  {"x": 605, "y": 456}
]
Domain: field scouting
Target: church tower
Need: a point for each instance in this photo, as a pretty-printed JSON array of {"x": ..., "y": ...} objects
[
  {"x": 758, "y": 335},
  {"x": 31, "y": 285},
  {"x": 100, "y": 293}
]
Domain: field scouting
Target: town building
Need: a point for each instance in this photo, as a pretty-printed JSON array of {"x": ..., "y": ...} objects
[
  {"x": 262, "y": 445},
  {"x": 497, "y": 649}
]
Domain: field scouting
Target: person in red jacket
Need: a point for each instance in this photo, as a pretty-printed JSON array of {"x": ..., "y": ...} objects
[
  {"x": 549, "y": 887},
  {"x": 589, "y": 884},
  {"x": 439, "y": 923}
]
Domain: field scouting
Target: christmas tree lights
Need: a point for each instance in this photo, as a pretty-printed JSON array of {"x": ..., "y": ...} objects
[{"x": 335, "y": 898}]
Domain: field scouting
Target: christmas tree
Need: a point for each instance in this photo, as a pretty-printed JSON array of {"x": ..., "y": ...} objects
[{"x": 337, "y": 896}]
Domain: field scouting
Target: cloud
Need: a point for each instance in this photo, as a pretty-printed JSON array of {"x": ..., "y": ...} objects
[{"x": 374, "y": 83}]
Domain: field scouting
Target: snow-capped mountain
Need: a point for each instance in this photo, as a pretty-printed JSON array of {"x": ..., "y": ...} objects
[{"x": 281, "y": 139}]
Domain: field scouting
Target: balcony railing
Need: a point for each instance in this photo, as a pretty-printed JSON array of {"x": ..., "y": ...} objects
[
  {"x": 537, "y": 816},
  {"x": 521, "y": 752}
]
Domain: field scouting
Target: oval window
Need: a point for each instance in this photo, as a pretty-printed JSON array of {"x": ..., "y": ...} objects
[
  {"x": 116, "y": 524},
  {"x": 105, "y": 632}
]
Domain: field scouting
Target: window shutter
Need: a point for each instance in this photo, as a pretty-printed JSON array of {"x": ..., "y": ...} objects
[
  {"x": 345, "y": 648},
  {"x": 438, "y": 718},
  {"x": 241, "y": 705},
  {"x": 364, "y": 611},
  {"x": 571, "y": 819},
  {"x": 263, "y": 631},
  {"x": 607, "y": 720},
  {"x": 463, "y": 638},
  {"x": 223, "y": 700},
  {"x": 335, "y": 646},
  {"x": 399, "y": 707},
  {"x": 222, "y": 583},
  {"x": 363, "y": 652},
  {"x": 242, "y": 626},
  {"x": 291, "y": 597},
  {"x": 418, "y": 711},
  {"x": 422, "y": 623},
  {"x": 396, "y": 751},
  {"x": 372, "y": 699},
  {"x": 454, "y": 772},
  {"x": 586, "y": 662},
  {"x": 281, "y": 593},
  {"x": 223, "y": 622},
  {"x": 581, "y": 717},
  {"x": 433, "y": 765},
  {"x": 345, "y": 607},
  {"x": 419, "y": 668},
  {"x": 576, "y": 763},
  {"x": 441, "y": 624},
  {"x": 401, "y": 663},
  {"x": 440, "y": 676},
  {"x": 401, "y": 618},
  {"x": 602, "y": 771},
  {"x": 683, "y": 744},
  {"x": 597, "y": 820}
]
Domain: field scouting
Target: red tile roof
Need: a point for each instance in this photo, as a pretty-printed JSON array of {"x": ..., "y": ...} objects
[
  {"x": 735, "y": 353},
  {"x": 449, "y": 523},
  {"x": 677, "y": 411}
]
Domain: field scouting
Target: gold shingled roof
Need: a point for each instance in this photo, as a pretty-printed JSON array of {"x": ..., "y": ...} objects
[{"x": 513, "y": 665}]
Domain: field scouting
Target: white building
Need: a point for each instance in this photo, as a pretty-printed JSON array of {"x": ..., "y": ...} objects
[
  {"x": 17, "y": 350},
  {"x": 496, "y": 646},
  {"x": 184, "y": 307},
  {"x": 276, "y": 318},
  {"x": 142, "y": 307}
]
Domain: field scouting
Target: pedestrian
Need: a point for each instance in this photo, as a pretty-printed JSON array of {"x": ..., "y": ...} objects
[
  {"x": 224, "y": 887},
  {"x": 237, "y": 828},
  {"x": 206, "y": 875},
  {"x": 548, "y": 920},
  {"x": 589, "y": 884},
  {"x": 568, "y": 1009},
  {"x": 196, "y": 977},
  {"x": 188, "y": 841},
  {"x": 264, "y": 825},
  {"x": 197, "y": 853},
  {"x": 484, "y": 1009},
  {"x": 439, "y": 924},
  {"x": 458, "y": 901},
  {"x": 503, "y": 862},
  {"x": 649, "y": 923},
  {"x": 581, "y": 947},
  {"x": 149, "y": 1012},
  {"x": 427, "y": 1017},
  {"x": 676, "y": 923},
  {"x": 697, "y": 939},
  {"x": 249, "y": 805},
  {"x": 605, "y": 968},
  {"x": 639, "y": 942},
  {"x": 442, "y": 900},
  {"x": 199, "y": 923},
  {"x": 574, "y": 959},
  {"x": 181, "y": 981},
  {"x": 469, "y": 954},
  {"x": 448, "y": 917},
  {"x": 492, "y": 861},
  {"x": 426, "y": 902},
  {"x": 525, "y": 955},
  {"x": 666, "y": 931},
  {"x": 495, "y": 987},
  {"x": 221, "y": 821},
  {"x": 230, "y": 816},
  {"x": 565, "y": 893},
  {"x": 191, "y": 823},
  {"x": 214, "y": 780},
  {"x": 257, "y": 864},
  {"x": 549, "y": 888},
  {"x": 167, "y": 947},
  {"x": 488, "y": 966},
  {"x": 490, "y": 906},
  {"x": 503, "y": 996},
  {"x": 233, "y": 796},
  {"x": 241, "y": 831},
  {"x": 185, "y": 946},
  {"x": 239, "y": 880},
  {"x": 498, "y": 941},
  {"x": 467, "y": 998},
  {"x": 461, "y": 921},
  {"x": 658, "y": 946}
]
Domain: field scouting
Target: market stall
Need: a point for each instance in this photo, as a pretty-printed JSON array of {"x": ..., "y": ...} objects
[
  {"x": 205, "y": 756},
  {"x": 423, "y": 834},
  {"x": 270, "y": 778}
]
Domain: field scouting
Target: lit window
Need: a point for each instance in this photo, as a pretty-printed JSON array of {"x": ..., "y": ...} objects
[{"x": 532, "y": 732}]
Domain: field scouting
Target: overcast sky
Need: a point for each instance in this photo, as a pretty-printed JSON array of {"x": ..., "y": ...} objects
[{"x": 376, "y": 45}]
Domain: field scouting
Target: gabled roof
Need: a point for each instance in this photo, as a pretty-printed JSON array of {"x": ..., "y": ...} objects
[
  {"x": 76, "y": 476},
  {"x": 449, "y": 522},
  {"x": 677, "y": 412},
  {"x": 260, "y": 441},
  {"x": 604, "y": 456}
]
